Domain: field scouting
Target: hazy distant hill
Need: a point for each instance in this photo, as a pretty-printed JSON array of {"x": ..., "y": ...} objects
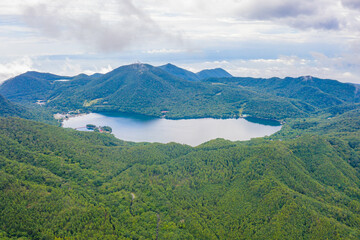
[
  {"x": 180, "y": 72},
  {"x": 213, "y": 73}
]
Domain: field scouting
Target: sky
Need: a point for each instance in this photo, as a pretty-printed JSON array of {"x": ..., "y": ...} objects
[{"x": 248, "y": 38}]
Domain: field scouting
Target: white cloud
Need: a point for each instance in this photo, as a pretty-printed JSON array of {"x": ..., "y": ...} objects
[
  {"x": 351, "y": 3},
  {"x": 164, "y": 51},
  {"x": 306, "y": 14},
  {"x": 73, "y": 67},
  {"x": 102, "y": 70},
  {"x": 107, "y": 26},
  {"x": 14, "y": 68}
]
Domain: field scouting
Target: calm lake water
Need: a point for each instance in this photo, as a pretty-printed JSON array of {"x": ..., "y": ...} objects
[{"x": 193, "y": 132}]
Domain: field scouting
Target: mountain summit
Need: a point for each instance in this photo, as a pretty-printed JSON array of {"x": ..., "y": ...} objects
[
  {"x": 213, "y": 73},
  {"x": 179, "y": 72}
]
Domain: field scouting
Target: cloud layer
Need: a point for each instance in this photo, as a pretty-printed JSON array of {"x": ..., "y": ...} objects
[
  {"x": 254, "y": 36},
  {"x": 15, "y": 67},
  {"x": 351, "y": 3},
  {"x": 107, "y": 26}
]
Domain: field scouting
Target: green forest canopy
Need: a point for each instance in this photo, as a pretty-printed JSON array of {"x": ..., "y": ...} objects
[{"x": 61, "y": 183}]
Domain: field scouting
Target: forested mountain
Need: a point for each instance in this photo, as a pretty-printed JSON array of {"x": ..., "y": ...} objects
[
  {"x": 130, "y": 86},
  {"x": 144, "y": 89},
  {"x": 164, "y": 92},
  {"x": 9, "y": 109},
  {"x": 29, "y": 86},
  {"x": 315, "y": 91},
  {"x": 61, "y": 183}
]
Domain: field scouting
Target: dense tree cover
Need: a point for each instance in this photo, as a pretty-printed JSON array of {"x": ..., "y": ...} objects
[
  {"x": 9, "y": 109},
  {"x": 166, "y": 91},
  {"x": 305, "y": 88},
  {"x": 64, "y": 184},
  {"x": 107, "y": 129},
  {"x": 29, "y": 86},
  {"x": 30, "y": 111},
  {"x": 307, "y": 95},
  {"x": 345, "y": 124},
  {"x": 144, "y": 89}
]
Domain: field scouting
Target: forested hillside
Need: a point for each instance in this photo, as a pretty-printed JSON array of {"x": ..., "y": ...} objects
[
  {"x": 61, "y": 183},
  {"x": 30, "y": 86},
  {"x": 9, "y": 109},
  {"x": 320, "y": 93}
]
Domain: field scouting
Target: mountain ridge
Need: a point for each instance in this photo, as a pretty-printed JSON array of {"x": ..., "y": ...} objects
[
  {"x": 199, "y": 76},
  {"x": 145, "y": 89}
]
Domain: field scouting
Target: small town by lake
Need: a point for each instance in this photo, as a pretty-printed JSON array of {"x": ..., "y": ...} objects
[{"x": 139, "y": 128}]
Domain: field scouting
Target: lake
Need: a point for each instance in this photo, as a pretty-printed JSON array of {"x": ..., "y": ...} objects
[{"x": 138, "y": 128}]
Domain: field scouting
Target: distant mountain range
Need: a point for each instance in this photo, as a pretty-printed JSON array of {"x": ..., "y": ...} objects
[
  {"x": 145, "y": 89},
  {"x": 187, "y": 75}
]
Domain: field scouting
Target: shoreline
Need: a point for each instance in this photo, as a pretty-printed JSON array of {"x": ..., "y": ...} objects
[
  {"x": 184, "y": 118},
  {"x": 63, "y": 117},
  {"x": 262, "y": 121}
]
